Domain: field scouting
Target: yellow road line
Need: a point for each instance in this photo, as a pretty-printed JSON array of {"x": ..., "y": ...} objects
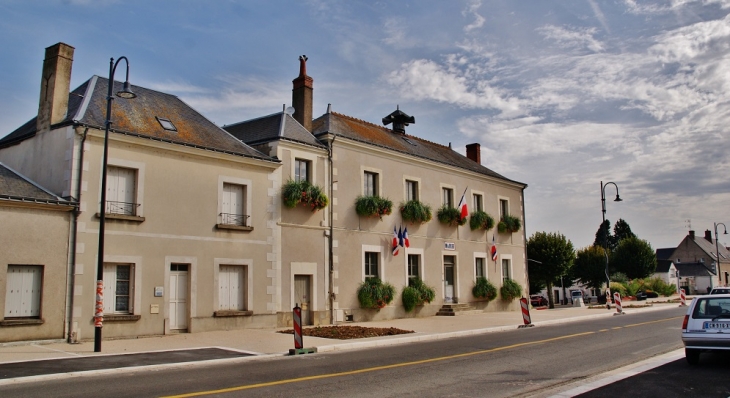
[{"x": 403, "y": 364}]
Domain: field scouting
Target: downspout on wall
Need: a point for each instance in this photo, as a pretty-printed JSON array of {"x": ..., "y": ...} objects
[
  {"x": 330, "y": 145},
  {"x": 71, "y": 335}
]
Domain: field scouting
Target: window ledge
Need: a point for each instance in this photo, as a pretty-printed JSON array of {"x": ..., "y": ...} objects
[
  {"x": 114, "y": 216},
  {"x": 230, "y": 313},
  {"x": 21, "y": 322},
  {"x": 233, "y": 227},
  {"x": 121, "y": 318}
]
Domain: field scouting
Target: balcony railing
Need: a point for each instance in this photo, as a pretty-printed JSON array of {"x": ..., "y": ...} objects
[
  {"x": 124, "y": 208},
  {"x": 234, "y": 219}
]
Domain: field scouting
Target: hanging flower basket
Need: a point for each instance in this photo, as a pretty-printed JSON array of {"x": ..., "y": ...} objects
[
  {"x": 416, "y": 293},
  {"x": 483, "y": 289},
  {"x": 373, "y": 293},
  {"x": 450, "y": 216},
  {"x": 509, "y": 224},
  {"x": 373, "y": 206},
  {"x": 302, "y": 192},
  {"x": 480, "y": 220},
  {"x": 415, "y": 212}
]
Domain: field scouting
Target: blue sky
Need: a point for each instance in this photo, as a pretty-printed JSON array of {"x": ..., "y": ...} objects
[{"x": 561, "y": 94}]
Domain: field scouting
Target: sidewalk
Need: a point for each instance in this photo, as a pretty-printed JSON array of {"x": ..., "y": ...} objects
[{"x": 254, "y": 343}]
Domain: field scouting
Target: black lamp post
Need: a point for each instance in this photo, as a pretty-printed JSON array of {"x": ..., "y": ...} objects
[
  {"x": 126, "y": 93},
  {"x": 717, "y": 250},
  {"x": 605, "y": 242}
]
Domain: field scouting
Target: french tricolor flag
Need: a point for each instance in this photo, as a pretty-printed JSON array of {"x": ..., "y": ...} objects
[
  {"x": 494, "y": 250},
  {"x": 396, "y": 248},
  {"x": 462, "y": 206},
  {"x": 406, "y": 242}
]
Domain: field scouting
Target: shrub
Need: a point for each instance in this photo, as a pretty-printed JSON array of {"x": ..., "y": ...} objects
[
  {"x": 483, "y": 288},
  {"x": 371, "y": 206},
  {"x": 618, "y": 287},
  {"x": 510, "y": 290},
  {"x": 416, "y": 293},
  {"x": 509, "y": 224},
  {"x": 658, "y": 285},
  {"x": 410, "y": 298},
  {"x": 415, "y": 212},
  {"x": 619, "y": 277},
  {"x": 480, "y": 219},
  {"x": 302, "y": 192},
  {"x": 450, "y": 216},
  {"x": 373, "y": 293}
]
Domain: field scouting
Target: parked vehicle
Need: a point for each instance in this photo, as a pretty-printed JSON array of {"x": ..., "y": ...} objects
[
  {"x": 720, "y": 290},
  {"x": 576, "y": 295},
  {"x": 644, "y": 294},
  {"x": 640, "y": 296},
  {"x": 706, "y": 326},
  {"x": 538, "y": 301}
]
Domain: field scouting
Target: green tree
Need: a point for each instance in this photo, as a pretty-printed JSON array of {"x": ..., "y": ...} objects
[
  {"x": 555, "y": 253},
  {"x": 589, "y": 266},
  {"x": 634, "y": 257},
  {"x": 621, "y": 231},
  {"x": 604, "y": 238}
]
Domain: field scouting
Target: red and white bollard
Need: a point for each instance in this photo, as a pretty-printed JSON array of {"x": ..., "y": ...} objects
[
  {"x": 682, "y": 298},
  {"x": 99, "y": 305},
  {"x": 525, "y": 313},
  {"x": 617, "y": 300},
  {"x": 298, "y": 339}
]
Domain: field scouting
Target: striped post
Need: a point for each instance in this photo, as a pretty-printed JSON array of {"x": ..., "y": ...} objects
[
  {"x": 99, "y": 306},
  {"x": 298, "y": 340},
  {"x": 682, "y": 298},
  {"x": 525, "y": 313},
  {"x": 617, "y": 300}
]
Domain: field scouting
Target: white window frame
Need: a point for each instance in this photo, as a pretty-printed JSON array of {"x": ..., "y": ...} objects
[
  {"x": 23, "y": 291},
  {"x": 378, "y": 183},
  {"x": 232, "y": 214},
  {"x": 415, "y": 180},
  {"x": 500, "y": 200},
  {"x": 247, "y": 263},
  {"x": 502, "y": 259},
  {"x": 311, "y": 158},
  {"x": 452, "y": 189},
  {"x": 225, "y": 271},
  {"x": 247, "y": 193},
  {"x": 135, "y": 285},
  {"x": 372, "y": 249},
  {"x": 110, "y": 282},
  {"x": 139, "y": 181},
  {"x": 421, "y": 263},
  {"x": 483, "y": 256},
  {"x": 474, "y": 195}
]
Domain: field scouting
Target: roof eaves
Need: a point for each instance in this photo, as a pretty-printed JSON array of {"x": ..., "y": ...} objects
[{"x": 29, "y": 181}]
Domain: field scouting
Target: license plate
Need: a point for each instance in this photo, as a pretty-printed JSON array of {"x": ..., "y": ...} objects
[{"x": 716, "y": 325}]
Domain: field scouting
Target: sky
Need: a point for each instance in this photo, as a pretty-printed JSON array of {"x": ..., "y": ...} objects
[{"x": 561, "y": 94}]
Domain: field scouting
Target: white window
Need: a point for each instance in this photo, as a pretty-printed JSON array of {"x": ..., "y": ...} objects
[
  {"x": 411, "y": 190},
  {"x": 478, "y": 202},
  {"x": 479, "y": 268},
  {"x": 447, "y": 197},
  {"x": 506, "y": 269},
  {"x": 301, "y": 170},
  {"x": 23, "y": 291},
  {"x": 503, "y": 208},
  {"x": 371, "y": 264},
  {"x": 232, "y": 288},
  {"x": 121, "y": 195},
  {"x": 371, "y": 184},
  {"x": 118, "y": 288},
  {"x": 233, "y": 205},
  {"x": 414, "y": 265}
]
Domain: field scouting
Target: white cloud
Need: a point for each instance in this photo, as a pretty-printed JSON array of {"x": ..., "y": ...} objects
[
  {"x": 472, "y": 9},
  {"x": 577, "y": 39}
]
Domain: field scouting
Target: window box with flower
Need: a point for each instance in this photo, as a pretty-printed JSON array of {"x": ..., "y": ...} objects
[
  {"x": 509, "y": 224},
  {"x": 415, "y": 212},
  {"x": 302, "y": 192},
  {"x": 373, "y": 206},
  {"x": 450, "y": 216},
  {"x": 374, "y": 293},
  {"x": 480, "y": 220}
]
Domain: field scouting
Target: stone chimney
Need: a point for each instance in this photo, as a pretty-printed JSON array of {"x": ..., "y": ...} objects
[
  {"x": 55, "y": 86},
  {"x": 474, "y": 152},
  {"x": 708, "y": 235},
  {"x": 301, "y": 96}
]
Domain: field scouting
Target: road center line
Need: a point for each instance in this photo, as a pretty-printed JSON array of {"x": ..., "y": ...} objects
[{"x": 403, "y": 364}]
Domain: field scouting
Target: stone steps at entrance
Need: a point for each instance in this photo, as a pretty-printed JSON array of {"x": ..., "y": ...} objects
[{"x": 457, "y": 309}]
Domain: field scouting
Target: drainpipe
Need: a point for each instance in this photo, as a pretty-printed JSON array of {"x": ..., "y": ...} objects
[
  {"x": 71, "y": 336},
  {"x": 331, "y": 238}
]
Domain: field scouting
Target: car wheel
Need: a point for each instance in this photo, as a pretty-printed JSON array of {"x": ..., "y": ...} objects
[{"x": 692, "y": 355}]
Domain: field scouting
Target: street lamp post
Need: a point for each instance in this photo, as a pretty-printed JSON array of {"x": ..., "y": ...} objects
[
  {"x": 126, "y": 93},
  {"x": 717, "y": 251},
  {"x": 605, "y": 241}
]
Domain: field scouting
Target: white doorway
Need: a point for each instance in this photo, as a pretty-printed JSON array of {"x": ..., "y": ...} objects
[
  {"x": 179, "y": 296},
  {"x": 302, "y": 296}
]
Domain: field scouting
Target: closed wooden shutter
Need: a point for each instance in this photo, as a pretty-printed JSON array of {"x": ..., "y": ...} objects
[{"x": 23, "y": 291}]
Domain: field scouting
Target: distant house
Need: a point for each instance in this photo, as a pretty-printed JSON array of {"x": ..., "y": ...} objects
[
  {"x": 666, "y": 271},
  {"x": 35, "y": 260},
  {"x": 703, "y": 250}
]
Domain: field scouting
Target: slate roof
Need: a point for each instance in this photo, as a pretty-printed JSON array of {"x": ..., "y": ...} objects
[
  {"x": 662, "y": 266},
  {"x": 692, "y": 269},
  {"x": 15, "y": 186},
  {"x": 137, "y": 117},
  {"x": 665, "y": 253},
  {"x": 365, "y": 132},
  {"x": 277, "y": 126}
]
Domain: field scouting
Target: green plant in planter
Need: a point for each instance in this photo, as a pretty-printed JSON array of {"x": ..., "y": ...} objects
[
  {"x": 509, "y": 224},
  {"x": 450, "y": 216},
  {"x": 484, "y": 289},
  {"x": 510, "y": 290},
  {"x": 415, "y": 212},
  {"x": 294, "y": 193},
  {"x": 373, "y": 293},
  {"x": 480, "y": 219},
  {"x": 372, "y": 206},
  {"x": 416, "y": 293}
]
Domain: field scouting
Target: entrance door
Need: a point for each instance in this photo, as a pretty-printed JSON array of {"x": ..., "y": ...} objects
[
  {"x": 302, "y": 296},
  {"x": 449, "y": 279},
  {"x": 178, "y": 296}
]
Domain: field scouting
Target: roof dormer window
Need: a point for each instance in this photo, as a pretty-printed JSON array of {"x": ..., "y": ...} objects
[{"x": 166, "y": 124}]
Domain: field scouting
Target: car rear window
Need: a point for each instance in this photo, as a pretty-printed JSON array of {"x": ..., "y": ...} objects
[
  {"x": 711, "y": 307},
  {"x": 720, "y": 291}
]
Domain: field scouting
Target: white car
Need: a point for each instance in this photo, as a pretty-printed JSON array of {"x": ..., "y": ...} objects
[{"x": 706, "y": 326}]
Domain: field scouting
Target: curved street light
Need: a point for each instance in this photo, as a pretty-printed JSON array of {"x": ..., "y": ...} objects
[
  {"x": 605, "y": 241},
  {"x": 717, "y": 251},
  {"x": 126, "y": 93}
]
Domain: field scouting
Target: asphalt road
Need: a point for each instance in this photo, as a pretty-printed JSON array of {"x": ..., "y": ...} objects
[{"x": 524, "y": 362}]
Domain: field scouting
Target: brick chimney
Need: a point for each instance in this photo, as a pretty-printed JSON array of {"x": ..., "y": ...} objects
[
  {"x": 708, "y": 235},
  {"x": 474, "y": 152},
  {"x": 301, "y": 96},
  {"x": 692, "y": 234},
  {"x": 55, "y": 86}
]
